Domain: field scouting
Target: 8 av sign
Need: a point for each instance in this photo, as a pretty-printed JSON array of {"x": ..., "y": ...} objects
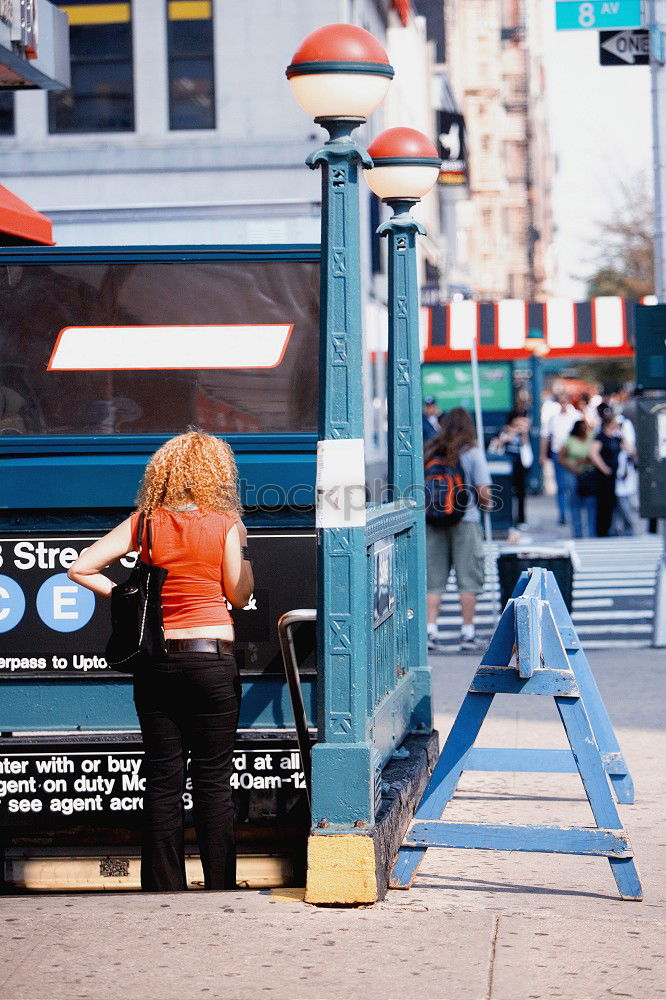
[
  {"x": 595, "y": 15},
  {"x": 624, "y": 48}
]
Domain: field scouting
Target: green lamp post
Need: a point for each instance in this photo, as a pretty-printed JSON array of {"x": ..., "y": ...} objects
[
  {"x": 339, "y": 76},
  {"x": 406, "y": 166}
]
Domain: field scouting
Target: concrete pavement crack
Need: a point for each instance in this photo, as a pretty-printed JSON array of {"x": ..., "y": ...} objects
[
  {"x": 493, "y": 948},
  {"x": 22, "y": 960}
]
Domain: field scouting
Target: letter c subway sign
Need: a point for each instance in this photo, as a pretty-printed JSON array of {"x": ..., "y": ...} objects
[{"x": 12, "y": 603}]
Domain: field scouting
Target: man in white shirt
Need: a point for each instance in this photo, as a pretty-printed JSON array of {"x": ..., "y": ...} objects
[
  {"x": 626, "y": 482},
  {"x": 554, "y": 432}
]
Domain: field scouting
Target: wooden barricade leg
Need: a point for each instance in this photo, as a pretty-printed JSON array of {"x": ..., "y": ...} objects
[
  {"x": 602, "y": 727},
  {"x": 444, "y": 780},
  {"x": 595, "y": 782}
]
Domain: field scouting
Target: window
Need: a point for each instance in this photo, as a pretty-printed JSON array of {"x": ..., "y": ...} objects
[
  {"x": 101, "y": 98},
  {"x": 38, "y": 302},
  {"x": 6, "y": 112},
  {"x": 191, "y": 64}
]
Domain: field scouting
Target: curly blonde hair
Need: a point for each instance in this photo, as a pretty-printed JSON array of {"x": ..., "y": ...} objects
[{"x": 191, "y": 468}]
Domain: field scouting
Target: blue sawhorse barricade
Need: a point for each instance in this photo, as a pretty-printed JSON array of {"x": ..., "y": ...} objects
[{"x": 549, "y": 660}]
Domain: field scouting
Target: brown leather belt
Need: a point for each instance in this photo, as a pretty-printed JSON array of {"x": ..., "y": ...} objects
[{"x": 222, "y": 647}]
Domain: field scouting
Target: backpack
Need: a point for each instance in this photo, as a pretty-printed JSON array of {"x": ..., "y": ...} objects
[{"x": 445, "y": 494}]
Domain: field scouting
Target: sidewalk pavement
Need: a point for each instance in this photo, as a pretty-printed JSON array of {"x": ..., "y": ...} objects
[{"x": 483, "y": 925}]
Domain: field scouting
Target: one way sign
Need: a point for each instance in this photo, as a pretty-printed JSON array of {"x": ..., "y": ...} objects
[{"x": 624, "y": 48}]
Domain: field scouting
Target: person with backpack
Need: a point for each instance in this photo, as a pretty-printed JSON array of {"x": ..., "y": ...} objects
[{"x": 457, "y": 488}]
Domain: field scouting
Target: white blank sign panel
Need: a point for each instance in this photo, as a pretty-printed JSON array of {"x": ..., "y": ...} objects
[{"x": 140, "y": 348}]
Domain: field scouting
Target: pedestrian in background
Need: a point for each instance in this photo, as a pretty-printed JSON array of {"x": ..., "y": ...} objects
[
  {"x": 189, "y": 699},
  {"x": 550, "y": 404},
  {"x": 430, "y": 418},
  {"x": 576, "y": 456},
  {"x": 554, "y": 432},
  {"x": 514, "y": 442},
  {"x": 605, "y": 454},
  {"x": 626, "y": 489},
  {"x": 590, "y": 407},
  {"x": 459, "y": 543}
]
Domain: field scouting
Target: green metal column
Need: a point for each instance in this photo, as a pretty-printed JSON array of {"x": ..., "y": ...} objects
[
  {"x": 343, "y": 762},
  {"x": 405, "y": 456}
]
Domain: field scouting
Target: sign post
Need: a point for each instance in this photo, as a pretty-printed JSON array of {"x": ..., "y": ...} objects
[
  {"x": 657, "y": 26},
  {"x": 478, "y": 420}
]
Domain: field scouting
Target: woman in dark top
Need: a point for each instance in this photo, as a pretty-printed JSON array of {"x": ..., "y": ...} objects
[
  {"x": 605, "y": 454},
  {"x": 514, "y": 442}
]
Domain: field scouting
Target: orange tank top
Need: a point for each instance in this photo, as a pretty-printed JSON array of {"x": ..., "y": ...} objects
[{"x": 190, "y": 546}]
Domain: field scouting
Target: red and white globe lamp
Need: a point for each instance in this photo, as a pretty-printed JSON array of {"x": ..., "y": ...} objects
[
  {"x": 406, "y": 165},
  {"x": 340, "y": 73}
]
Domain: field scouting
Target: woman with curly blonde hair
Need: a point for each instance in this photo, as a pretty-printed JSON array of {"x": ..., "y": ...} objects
[{"x": 188, "y": 700}]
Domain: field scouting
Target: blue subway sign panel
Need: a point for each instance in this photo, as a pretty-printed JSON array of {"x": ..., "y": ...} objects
[{"x": 597, "y": 15}]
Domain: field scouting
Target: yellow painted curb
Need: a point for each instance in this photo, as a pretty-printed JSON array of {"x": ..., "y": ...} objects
[
  {"x": 288, "y": 895},
  {"x": 341, "y": 870}
]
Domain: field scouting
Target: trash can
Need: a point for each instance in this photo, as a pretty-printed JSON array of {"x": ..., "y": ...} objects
[{"x": 514, "y": 560}]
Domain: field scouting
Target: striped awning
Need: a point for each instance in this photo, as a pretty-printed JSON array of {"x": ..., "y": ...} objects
[{"x": 601, "y": 327}]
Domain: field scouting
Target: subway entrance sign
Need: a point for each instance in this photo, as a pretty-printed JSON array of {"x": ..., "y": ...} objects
[
  {"x": 650, "y": 323},
  {"x": 597, "y": 15}
]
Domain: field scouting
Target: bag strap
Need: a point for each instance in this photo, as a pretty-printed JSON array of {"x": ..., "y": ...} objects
[
  {"x": 143, "y": 520},
  {"x": 149, "y": 538},
  {"x": 139, "y": 531}
]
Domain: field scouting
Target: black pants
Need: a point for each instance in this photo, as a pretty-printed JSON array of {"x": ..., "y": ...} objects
[
  {"x": 605, "y": 504},
  {"x": 519, "y": 487},
  {"x": 188, "y": 702}
]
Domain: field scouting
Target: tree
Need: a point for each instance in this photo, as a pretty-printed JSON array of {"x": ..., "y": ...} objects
[{"x": 624, "y": 246}]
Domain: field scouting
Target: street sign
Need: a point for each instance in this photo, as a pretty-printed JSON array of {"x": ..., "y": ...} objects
[
  {"x": 597, "y": 15},
  {"x": 624, "y": 48},
  {"x": 452, "y": 148}
]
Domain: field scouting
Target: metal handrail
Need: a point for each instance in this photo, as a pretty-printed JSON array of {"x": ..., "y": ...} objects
[{"x": 285, "y": 625}]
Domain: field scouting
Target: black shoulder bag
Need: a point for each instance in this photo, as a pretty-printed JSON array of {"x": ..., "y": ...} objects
[{"x": 137, "y": 628}]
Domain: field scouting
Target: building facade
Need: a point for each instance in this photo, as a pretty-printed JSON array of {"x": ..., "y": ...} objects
[{"x": 495, "y": 62}]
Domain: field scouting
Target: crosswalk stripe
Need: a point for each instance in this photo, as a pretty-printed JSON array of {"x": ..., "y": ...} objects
[
  {"x": 613, "y": 643},
  {"x": 586, "y": 616},
  {"x": 605, "y": 628},
  {"x": 608, "y": 580}
]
